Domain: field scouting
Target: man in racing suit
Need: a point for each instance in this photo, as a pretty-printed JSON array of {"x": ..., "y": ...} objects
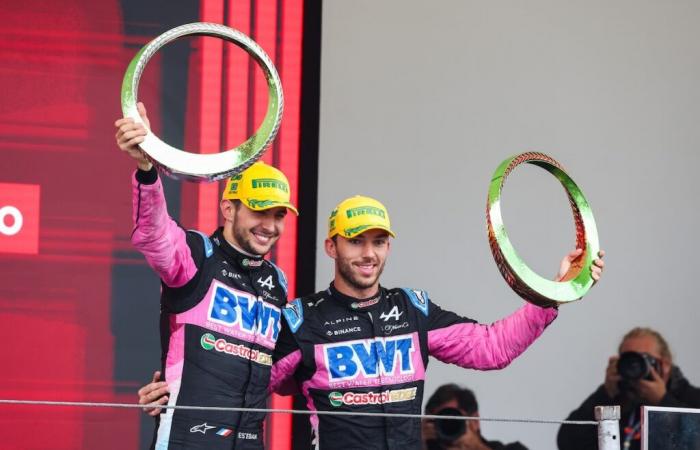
[
  {"x": 220, "y": 301},
  {"x": 360, "y": 347}
]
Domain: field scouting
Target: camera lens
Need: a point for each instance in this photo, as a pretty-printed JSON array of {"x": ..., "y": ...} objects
[
  {"x": 633, "y": 366},
  {"x": 449, "y": 430}
]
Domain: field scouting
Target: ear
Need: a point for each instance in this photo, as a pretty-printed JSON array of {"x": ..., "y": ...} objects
[
  {"x": 666, "y": 369},
  {"x": 330, "y": 248},
  {"x": 228, "y": 210},
  {"x": 474, "y": 425}
]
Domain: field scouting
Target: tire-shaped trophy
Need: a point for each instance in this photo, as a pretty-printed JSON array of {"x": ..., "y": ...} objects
[
  {"x": 523, "y": 280},
  {"x": 182, "y": 164}
]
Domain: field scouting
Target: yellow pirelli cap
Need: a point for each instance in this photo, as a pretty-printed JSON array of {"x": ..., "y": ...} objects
[
  {"x": 260, "y": 187},
  {"x": 356, "y": 215}
]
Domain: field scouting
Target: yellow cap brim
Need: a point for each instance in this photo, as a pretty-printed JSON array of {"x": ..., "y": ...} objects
[
  {"x": 269, "y": 205},
  {"x": 362, "y": 229}
]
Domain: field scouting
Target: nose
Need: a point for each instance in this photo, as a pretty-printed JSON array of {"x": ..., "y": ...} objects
[
  {"x": 268, "y": 222},
  {"x": 368, "y": 250}
]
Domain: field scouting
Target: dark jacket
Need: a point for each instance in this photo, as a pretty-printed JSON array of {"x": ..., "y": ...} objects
[{"x": 679, "y": 394}]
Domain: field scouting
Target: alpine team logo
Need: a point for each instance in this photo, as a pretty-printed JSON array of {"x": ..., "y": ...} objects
[
  {"x": 266, "y": 283},
  {"x": 241, "y": 311},
  {"x": 393, "y": 314},
  {"x": 370, "y": 358},
  {"x": 338, "y": 399}
]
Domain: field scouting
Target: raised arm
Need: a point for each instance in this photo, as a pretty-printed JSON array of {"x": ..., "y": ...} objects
[
  {"x": 161, "y": 240},
  {"x": 468, "y": 344},
  {"x": 460, "y": 341},
  {"x": 155, "y": 234}
]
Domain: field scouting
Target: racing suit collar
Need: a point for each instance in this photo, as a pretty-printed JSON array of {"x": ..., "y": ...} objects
[
  {"x": 358, "y": 304},
  {"x": 244, "y": 261}
]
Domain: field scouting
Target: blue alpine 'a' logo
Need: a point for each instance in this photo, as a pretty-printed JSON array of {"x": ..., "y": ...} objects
[
  {"x": 370, "y": 358},
  {"x": 240, "y": 309}
]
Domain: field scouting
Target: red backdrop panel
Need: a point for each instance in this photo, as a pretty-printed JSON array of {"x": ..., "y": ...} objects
[{"x": 63, "y": 178}]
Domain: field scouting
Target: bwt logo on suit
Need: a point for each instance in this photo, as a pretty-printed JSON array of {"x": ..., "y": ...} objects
[{"x": 19, "y": 218}]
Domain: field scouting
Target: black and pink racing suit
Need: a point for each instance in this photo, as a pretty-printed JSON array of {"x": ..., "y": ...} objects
[
  {"x": 370, "y": 355},
  {"x": 220, "y": 319}
]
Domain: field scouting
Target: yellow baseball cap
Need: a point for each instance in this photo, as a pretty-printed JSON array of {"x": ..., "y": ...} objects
[
  {"x": 260, "y": 187},
  {"x": 357, "y": 214}
]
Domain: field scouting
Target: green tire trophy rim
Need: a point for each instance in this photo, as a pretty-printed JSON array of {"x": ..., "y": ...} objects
[
  {"x": 181, "y": 164},
  {"x": 523, "y": 280}
]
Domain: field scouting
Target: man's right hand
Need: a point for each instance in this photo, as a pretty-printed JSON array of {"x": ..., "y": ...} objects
[
  {"x": 468, "y": 441},
  {"x": 427, "y": 431},
  {"x": 154, "y": 392},
  {"x": 612, "y": 378},
  {"x": 130, "y": 134}
]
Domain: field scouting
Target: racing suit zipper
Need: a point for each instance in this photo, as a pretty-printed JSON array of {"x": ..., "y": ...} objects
[
  {"x": 377, "y": 333},
  {"x": 247, "y": 381}
]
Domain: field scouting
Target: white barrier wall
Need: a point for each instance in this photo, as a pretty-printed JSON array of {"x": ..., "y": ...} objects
[{"x": 421, "y": 100}]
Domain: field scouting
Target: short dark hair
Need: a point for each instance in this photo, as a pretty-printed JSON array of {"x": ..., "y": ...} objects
[
  {"x": 236, "y": 202},
  {"x": 447, "y": 392}
]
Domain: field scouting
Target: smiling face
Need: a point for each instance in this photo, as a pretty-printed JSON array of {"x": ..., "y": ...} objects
[
  {"x": 359, "y": 261},
  {"x": 254, "y": 232}
]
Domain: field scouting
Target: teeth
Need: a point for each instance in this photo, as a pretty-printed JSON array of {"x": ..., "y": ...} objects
[
  {"x": 262, "y": 238},
  {"x": 366, "y": 269}
]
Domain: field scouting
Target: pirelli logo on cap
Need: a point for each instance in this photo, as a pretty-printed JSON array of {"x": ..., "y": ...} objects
[
  {"x": 362, "y": 210},
  {"x": 270, "y": 183}
]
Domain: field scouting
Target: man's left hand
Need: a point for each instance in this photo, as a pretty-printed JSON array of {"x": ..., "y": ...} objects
[
  {"x": 596, "y": 267},
  {"x": 652, "y": 391}
]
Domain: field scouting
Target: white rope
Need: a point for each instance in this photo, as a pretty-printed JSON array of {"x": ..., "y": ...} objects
[{"x": 291, "y": 411}]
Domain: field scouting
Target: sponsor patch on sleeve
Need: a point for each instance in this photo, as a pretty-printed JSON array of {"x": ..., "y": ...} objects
[
  {"x": 294, "y": 313},
  {"x": 419, "y": 298}
]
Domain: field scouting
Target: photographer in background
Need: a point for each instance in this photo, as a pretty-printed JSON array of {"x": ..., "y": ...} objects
[
  {"x": 641, "y": 374},
  {"x": 451, "y": 400}
]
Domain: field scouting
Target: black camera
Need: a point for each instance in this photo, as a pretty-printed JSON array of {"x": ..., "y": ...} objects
[
  {"x": 633, "y": 366},
  {"x": 449, "y": 430}
]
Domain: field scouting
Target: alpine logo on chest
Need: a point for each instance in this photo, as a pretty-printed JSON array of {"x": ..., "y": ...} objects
[{"x": 241, "y": 311}]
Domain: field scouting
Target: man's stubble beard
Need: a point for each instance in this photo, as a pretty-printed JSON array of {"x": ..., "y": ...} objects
[
  {"x": 345, "y": 270},
  {"x": 240, "y": 236}
]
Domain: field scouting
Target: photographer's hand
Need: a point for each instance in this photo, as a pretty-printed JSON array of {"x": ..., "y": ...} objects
[
  {"x": 612, "y": 378},
  {"x": 470, "y": 440},
  {"x": 652, "y": 391},
  {"x": 428, "y": 432}
]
